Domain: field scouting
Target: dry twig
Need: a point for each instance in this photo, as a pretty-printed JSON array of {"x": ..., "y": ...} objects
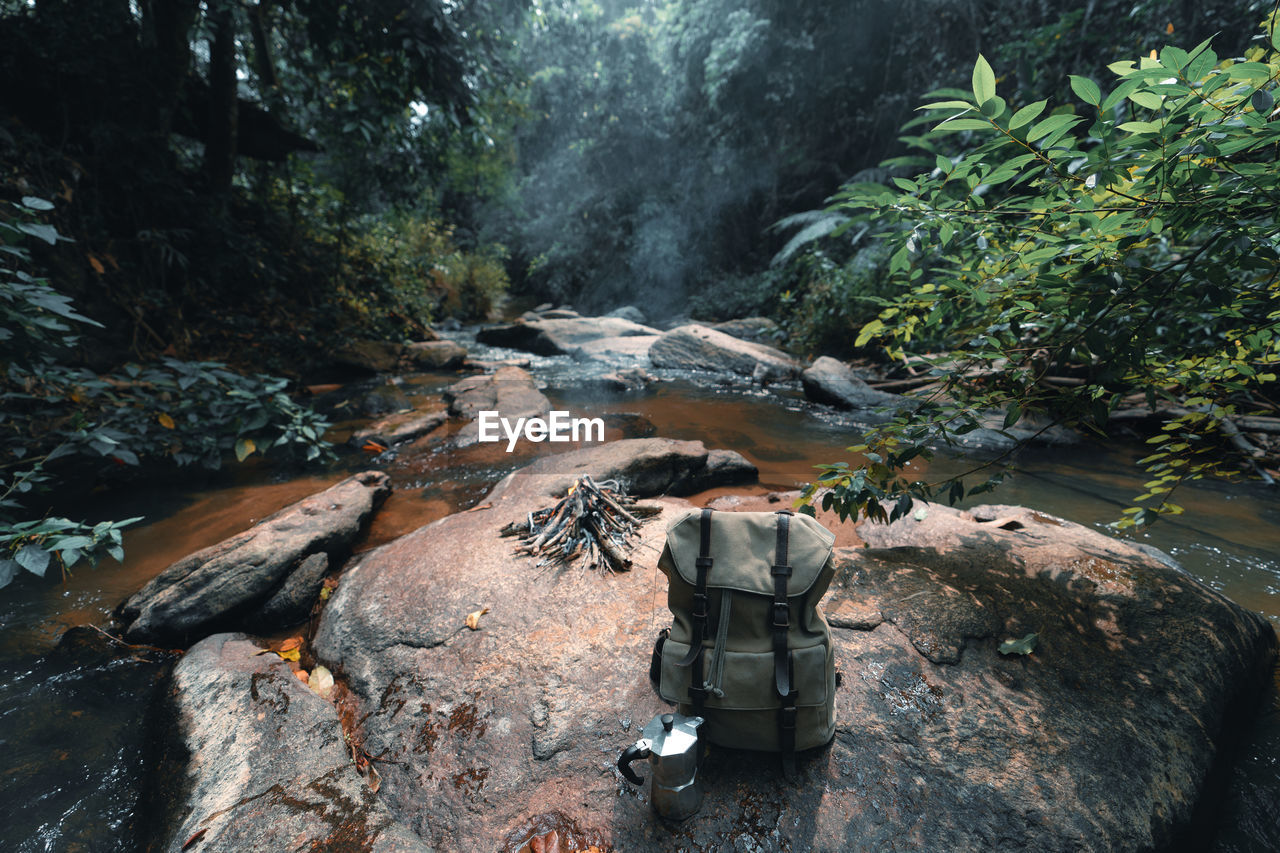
[{"x": 597, "y": 522}]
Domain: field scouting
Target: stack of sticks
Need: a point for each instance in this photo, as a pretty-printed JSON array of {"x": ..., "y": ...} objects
[{"x": 597, "y": 522}]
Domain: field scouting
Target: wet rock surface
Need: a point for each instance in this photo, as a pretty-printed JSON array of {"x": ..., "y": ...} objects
[
  {"x": 629, "y": 312},
  {"x": 760, "y": 329},
  {"x": 435, "y": 355},
  {"x": 644, "y": 466},
  {"x": 369, "y": 356},
  {"x": 559, "y": 335},
  {"x": 251, "y": 759},
  {"x": 695, "y": 347},
  {"x": 509, "y": 391},
  {"x": 833, "y": 382},
  {"x": 402, "y": 426},
  {"x": 1101, "y": 739},
  {"x": 229, "y": 583}
]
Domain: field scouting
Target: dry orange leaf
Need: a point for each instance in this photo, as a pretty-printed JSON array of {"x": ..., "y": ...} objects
[
  {"x": 191, "y": 842},
  {"x": 302, "y": 675},
  {"x": 291, "y": 643},
  {"x": 97, "y": 265},
  {"x": 1169, "y": 29},
  {"x": 473, "y": 618},
  {"x": 165, "y": 420}
]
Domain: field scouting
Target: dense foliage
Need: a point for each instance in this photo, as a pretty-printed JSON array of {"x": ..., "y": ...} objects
[
  {"x": 660, "y": 142},
  {"x": 59, "y": 418},
  {"x": 1070, "y": 259},
  {"x": 243, "y": 182}
]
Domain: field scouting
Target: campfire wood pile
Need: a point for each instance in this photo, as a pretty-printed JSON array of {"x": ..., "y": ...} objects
[{"x": 597, "y": 522}]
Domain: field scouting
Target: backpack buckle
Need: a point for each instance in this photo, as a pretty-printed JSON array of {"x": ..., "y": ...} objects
[
  {"x": 787, "y": 717},
  {"x": 781, "y": 615},
  {"x": 700, "y": 605}
]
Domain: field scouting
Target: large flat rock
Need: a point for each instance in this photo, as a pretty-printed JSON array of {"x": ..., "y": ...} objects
[
  {"x": 560, "y": 335},
  {"x": 1102, "y": 739},
  {"x": 509, "y": 391},
  {"x": 230, "y": 583},
  {"x": 695, "y": 347},
  {"x": 644, "y": 466},
  {"x": 251, "y": 759}
]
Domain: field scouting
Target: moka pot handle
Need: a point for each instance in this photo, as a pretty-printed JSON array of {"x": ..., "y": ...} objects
[{"x": 640, "y": 749}]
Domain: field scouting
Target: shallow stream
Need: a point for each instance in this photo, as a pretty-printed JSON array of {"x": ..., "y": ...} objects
[{"x": 72, "y": 717}]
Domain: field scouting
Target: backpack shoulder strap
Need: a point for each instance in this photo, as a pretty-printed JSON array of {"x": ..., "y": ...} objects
[
  {"x": 782, "y": 658},
  {"x": 697, "y": 690}
]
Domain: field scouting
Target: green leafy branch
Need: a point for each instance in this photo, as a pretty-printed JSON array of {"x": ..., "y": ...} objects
[{"x": 1068, "y": 266}]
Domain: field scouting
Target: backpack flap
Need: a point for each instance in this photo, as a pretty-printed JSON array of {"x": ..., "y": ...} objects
[{"x": 743, "y": 544}]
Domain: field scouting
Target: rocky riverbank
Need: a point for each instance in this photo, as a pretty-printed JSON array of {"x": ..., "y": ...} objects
[
  {"x": 1010, "y": 680},
  {"x": 1103, "y": 737}
]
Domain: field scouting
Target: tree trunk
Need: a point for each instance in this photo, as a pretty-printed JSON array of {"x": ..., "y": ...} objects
[
  {"x": 166, "y": 34},
  {"x": 220, "y": 146}
]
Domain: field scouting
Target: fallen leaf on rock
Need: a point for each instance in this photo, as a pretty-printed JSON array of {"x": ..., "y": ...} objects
[
  {"x": 473, "y": 618},
  {"x": 291, "y": 654},
  {"x": 290, "y": 644},
  {"x": 302, "y": 676},
  {"x": 549, "y": 843},
  {"x": 321, "y": 681},
  {"x": 1025, "y": 646},
  {"x": 191, "y": 842},
  {"x": 262, "y": 652}
]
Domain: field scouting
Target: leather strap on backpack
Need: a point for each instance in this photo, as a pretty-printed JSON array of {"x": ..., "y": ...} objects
[
  {"x": 783, "y": 662},
  {"x": 698, "y": 692}
]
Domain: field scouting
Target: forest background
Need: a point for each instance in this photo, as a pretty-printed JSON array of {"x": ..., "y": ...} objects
[{"x": 201, "y": 200}]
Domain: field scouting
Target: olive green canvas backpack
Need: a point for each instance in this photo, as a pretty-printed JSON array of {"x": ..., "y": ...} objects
[{"x": 748, "y": 649}]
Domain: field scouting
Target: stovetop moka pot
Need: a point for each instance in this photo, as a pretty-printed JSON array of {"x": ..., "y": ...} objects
[{"x": 671, "y": 743}]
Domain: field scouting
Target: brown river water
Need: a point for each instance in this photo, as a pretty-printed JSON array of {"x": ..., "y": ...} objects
[{"x": 71, "y": 717}]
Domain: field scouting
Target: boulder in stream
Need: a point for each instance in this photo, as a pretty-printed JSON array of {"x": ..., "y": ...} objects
[
  {"x": 402, "y": 426},
  {"x": 760, "y": 329},
  {"x": 629, "y": 312},
  {"x": 251, "y": 759},
  {"x": 435, "y": 355},
  {"x": 510, "y": 391},
  {"x": 835, "y": 383},
  {"x": 230, "y": 583},
  {"x": 370, "y": 356},
  {"x": 695, "y": 347},
  {"x": 1104, "y": 736},
  {"x": 559, "y": 336}
]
